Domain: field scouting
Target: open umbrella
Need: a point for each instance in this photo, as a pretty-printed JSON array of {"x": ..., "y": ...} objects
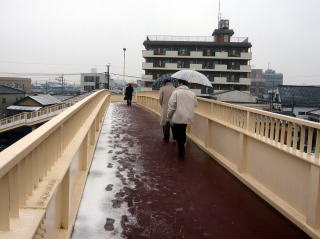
[
  {"x": 159, "y": 82},
  {"x": 192, "y": 76}
]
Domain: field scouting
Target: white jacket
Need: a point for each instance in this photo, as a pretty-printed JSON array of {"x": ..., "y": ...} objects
[{"x": 181, "y": 105}]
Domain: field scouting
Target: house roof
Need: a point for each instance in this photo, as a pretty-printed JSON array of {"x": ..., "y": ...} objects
[
  {"x": 45, "y": 99},
  {"x": 23, "y": 108},
  {"x": 9, "y": 90},
  {"x": 314, "y": 112},
  {"x": 304, "y": 96}
]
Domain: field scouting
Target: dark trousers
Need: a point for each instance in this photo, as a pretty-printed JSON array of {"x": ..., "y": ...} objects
[
  {"x": 129, "y": 101},
  {"x": 166, "y": 131},
  {"x": 181, "y": 137}
]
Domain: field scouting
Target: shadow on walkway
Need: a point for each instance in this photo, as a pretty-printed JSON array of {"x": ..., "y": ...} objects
[{"x": 137, "y": 189}]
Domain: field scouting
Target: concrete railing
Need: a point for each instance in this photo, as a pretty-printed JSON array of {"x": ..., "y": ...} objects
[
  {"x": 274, "y": 155},
  {"x": 42, "y": 176},
  {"x": 29, "y": 118}
]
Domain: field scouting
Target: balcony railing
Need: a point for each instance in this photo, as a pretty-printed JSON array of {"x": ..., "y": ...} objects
[
  {"x": 191, "y": 38},
  {"x": 195, "y": 54}
]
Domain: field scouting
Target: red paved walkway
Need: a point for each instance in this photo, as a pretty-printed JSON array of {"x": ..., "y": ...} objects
[{"x": 158, "y": 196}]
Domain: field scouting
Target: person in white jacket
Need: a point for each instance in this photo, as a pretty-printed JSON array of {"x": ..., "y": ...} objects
[{"x": 181, "y": 113}]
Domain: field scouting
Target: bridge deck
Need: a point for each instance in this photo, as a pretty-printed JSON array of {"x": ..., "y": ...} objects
[{"x": 138, "y": 189}]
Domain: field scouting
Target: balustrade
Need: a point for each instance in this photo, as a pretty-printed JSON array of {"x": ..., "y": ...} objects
[
  {"x": 274, "y": 155},
  {"x": 40, "y": 172}
]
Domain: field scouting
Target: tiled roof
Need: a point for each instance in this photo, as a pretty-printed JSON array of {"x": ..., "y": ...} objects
[
  {"x": 9, "y": 90},
  {"x": 45, "y": 99},
  {"x": 307, "y": 96}
]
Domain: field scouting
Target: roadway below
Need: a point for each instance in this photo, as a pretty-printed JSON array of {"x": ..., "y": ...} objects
[{"x": 137, "y": 189}]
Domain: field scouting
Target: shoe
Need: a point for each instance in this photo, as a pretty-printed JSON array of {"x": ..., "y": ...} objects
[
  {"x": 165, "y": 140},
  {"x": 180, "y": 156}
]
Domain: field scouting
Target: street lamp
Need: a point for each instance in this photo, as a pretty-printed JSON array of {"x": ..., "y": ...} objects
[
  {"x": 108, "y": 75},
  {"x": 124, "y": 63}
]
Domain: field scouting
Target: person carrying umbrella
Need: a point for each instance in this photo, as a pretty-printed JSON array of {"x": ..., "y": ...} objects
[
  {"x": 164, "y": 96},
  {"x": 181, "y": 113},
  {"x": 128, "y": 94}
]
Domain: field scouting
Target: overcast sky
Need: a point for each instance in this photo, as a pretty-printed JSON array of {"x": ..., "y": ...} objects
[{"x": 73, "y": 36}]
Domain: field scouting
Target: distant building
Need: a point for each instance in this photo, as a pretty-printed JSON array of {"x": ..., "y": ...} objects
[
  {"x": 272, "y": 79},
  {"x": 234, "y": 96},
  {"x": 93, "y": 81},
  {"x": 297, "y": 100},
  {"x": 258, "y": 84},
  {"x": 18, "y": 83},
  {"x": 9, "y": 96},
  {"x": 32, "y": 103},
  {"x": 222, "y": 58},
  {"x": 240, "y": 98}
]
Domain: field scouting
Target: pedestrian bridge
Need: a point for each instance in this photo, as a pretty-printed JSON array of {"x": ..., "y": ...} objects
[
  {"x": 36, "y": 117},
  {"x": 136, "y": 187}
]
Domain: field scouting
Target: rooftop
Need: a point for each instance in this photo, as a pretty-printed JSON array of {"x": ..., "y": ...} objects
[
  {"x": 45, "y": 99},
  {"x": 308, "y": 96},
  {"x": 194, "y": 41},
  {"x": 9, "y": 90}
]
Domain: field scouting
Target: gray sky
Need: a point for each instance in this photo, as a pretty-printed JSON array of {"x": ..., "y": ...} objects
[{"x": 72, "y": 36}]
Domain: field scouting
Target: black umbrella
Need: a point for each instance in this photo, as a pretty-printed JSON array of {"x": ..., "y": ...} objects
[{"x": 159, "y": 82}]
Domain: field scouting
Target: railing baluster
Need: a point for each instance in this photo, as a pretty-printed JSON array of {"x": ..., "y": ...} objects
[
  {"x": 267, "y": 127},
  {"x": 295, "y": 137},
  {"x": 262, "y": 125},
  {"x": 289, "y": 135},
  {"x": 277, "y": 130},
  {"x": 283, "y": 132},
  {"x": 310, "y": 137},
  {"x": 4, "y": 204},
  {"x": 302, "y": 138},
  {"x": 317, "y": 148},
  {"x": 22, "y": 181},
  {"x": 258, "y": 124},
  {"x": 14, "y": 192}
]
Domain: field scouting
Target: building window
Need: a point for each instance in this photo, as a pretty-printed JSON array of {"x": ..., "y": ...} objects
[
  {"x": 301, "y": 113},
  {"x": 89, "y": 79},
  {"x": 88, "y": 88}
]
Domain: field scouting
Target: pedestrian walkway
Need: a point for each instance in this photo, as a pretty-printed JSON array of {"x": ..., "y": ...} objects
[{"x": 137, "y": 188}]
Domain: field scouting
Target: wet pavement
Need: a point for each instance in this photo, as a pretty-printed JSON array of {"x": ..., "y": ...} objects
[{"x": 137, "y": 189}]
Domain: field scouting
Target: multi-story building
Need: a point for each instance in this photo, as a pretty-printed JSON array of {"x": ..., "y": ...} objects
[
  {"x": 92, "y": 81},
  {"x": 18, "y": 83},
  {"x": 258, "y": 84},
  {"x": 272, "y": 79},
  {"x": 221, "y": 57}
]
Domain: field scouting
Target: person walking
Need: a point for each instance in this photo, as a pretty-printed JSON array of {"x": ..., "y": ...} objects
[
  {"x": 181, "y": 113},
  {"x": 164, "y": 96},
  {"x": 128, "y": 94}
]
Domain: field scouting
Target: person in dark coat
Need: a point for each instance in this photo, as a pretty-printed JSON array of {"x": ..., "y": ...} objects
[
  {"x": 164, "y": 96},
  {"x": 128, "y": 94}
]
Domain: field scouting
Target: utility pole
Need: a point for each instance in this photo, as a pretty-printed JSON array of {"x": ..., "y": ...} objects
[
  {"x": 124, "y": 64},
  {"x": 62, "y": 83},
  {"x": 108, "y": 75}
]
